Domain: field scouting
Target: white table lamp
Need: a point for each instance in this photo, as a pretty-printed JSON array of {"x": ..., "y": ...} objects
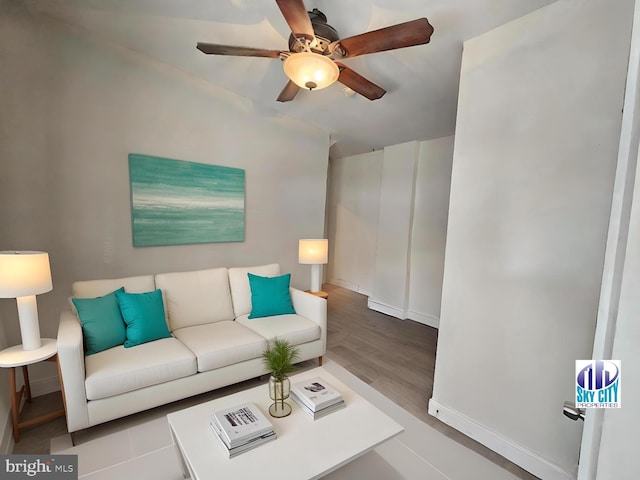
[
  {"x": 314, "y": 252},
  {"x": 23, "y": 275}
]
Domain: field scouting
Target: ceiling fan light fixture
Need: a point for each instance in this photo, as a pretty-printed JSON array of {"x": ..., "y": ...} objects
[{"x": 310, "y": 70}]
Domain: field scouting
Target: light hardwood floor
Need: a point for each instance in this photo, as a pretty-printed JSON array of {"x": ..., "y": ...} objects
[{"x": 396, "y": 357}]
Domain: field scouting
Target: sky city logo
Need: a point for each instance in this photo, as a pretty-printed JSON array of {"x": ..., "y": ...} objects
[{"x": 598, "y": 384}]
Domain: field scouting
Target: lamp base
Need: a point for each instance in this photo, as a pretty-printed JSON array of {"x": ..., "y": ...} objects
[
  {"x": 29, "y": 326},
  {"x": 316, "y": 278}
]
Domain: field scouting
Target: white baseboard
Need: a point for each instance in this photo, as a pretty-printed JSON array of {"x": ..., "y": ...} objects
[
  {"x": 344, "y": 284},
  {"x": 403, "y": 314},
  {"x": 354, "y": 287},
  {"x": 512, "y": 451},
  {"x": 6, "y": 434},
  {"x": 387, "y": 309},
  {"x": 425, "y": 319}
]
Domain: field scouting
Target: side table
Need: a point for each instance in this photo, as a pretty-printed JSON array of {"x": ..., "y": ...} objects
[
  {"x": 320, "y": 294},
  {"x": 14, "y": 357}
]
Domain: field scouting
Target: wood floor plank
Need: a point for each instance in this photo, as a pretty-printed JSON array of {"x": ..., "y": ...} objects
[{"x": 396, "y": 357}]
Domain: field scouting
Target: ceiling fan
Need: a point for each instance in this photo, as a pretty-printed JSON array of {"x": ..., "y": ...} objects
[{"x": 315, "y": 50}]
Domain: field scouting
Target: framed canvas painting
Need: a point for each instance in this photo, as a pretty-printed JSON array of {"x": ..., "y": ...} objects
[{"x": 175, "y": 202}]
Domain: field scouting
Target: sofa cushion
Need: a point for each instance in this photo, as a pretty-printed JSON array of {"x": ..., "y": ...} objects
[
  {"x": 294, "y": 328},
  {"x": 270, "y": 295},
  {"x": 196, "y": 298},
  {"x": 144, "y": 315},
  {"x": 221, "y": 343},
  {"x": 119, "y": 370},
  {"x": 97, "y": 288},
  {"x": 239, "y": 283},
  {"x": 102, "y": 324}
]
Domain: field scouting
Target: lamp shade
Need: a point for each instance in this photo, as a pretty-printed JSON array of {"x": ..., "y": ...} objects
[
  {"x": 313, "y": 251},
  {"x": 311, "y": 70},
  {"x": 24, "y": 273}
]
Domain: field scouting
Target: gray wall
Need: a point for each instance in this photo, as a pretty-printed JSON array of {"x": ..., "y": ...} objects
[
  {"x": 5, "y": 412},
  {"x": 537, "y": 134},
  {"x": 73, "y": 108}
]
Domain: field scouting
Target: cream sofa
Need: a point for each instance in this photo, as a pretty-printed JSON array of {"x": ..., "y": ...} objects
[{"x": 213, "y": 343}]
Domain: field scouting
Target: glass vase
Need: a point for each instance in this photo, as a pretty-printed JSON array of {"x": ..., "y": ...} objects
[{"x": 278, "y": 392}]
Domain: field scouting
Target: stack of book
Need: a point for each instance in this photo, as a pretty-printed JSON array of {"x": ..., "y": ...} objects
[
  {"x": 316, "y": 397},
  {"x": 241, "y": 428}
]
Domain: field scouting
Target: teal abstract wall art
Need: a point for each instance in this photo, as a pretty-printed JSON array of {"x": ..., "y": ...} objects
[{"x": 174, "y": 202}]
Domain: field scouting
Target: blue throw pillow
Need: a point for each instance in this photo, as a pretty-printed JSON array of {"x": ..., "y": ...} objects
[
  {"x": 102, "y": 323},
  {"x": 144, "y": 315},
  {"x": 270, "y": 296}
]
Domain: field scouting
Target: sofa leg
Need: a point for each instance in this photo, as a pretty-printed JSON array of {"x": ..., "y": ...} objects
[
  {"x": 320, "y": 360},
  {"x": 73, "y": 438}
]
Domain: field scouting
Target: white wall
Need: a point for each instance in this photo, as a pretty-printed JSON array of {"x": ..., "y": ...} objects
[
  {"x": 535, "y": 152},
  {"x": 72, "y": 110},
  {"x": 431, "y": 207},
  {"x": 393, "y": 238},
  {"x": 352, "y": 220},
  {"x": 618, "y": 457},
  {"x": 606, "y": 450},
  {"x": 409, "y": 184}
]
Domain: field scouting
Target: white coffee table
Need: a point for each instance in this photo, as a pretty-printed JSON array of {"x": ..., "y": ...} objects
[{"x": 304, "y": 449}]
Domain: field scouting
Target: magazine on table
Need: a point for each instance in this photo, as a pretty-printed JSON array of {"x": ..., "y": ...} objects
[
  {"x": 316, "y": 393},
  {"x": 241, "y": 423},
  {"x": 243, "y": 447},
  {"x": 318, "y": 413}
]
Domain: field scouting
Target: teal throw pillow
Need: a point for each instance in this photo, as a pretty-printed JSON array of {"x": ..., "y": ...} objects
[
  {"x": 102, "y": 323},
  {"x": 270, "y": 296},
  {"x": 144, "y": 315}
]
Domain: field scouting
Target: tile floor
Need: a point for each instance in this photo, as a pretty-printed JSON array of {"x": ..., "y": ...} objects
[{"x": 141, "y": 447}]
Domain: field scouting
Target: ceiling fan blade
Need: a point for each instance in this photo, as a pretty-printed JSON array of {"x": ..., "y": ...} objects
[
  {"x": 215, "y": 49},
  {"x": 295, "y": 13},
  {"x": 289, "y": 92},
  {"x": 359, "y": 84},
  {"x": 408, "y": 34}
]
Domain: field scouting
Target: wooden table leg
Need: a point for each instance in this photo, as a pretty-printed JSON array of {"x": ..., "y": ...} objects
[
  {"x": 16, "y": 400},
  {"x": 27, "y": 383}
]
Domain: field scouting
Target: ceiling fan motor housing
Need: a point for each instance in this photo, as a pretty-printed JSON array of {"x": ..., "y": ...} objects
[{"x": 324, "y": 33}]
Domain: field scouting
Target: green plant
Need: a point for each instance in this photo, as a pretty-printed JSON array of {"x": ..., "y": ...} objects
[{"x": 279, "y": 357}]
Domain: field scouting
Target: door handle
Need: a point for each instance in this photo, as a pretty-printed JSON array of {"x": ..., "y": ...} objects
[{"x": 571, "y": 411}]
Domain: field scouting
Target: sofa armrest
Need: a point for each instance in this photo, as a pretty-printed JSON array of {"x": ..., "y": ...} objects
[
  {"x": 314, "y": 308},
  {"x": 71, "y": 364}
]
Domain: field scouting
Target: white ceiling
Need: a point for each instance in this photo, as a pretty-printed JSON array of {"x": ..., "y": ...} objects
[{"x": 421, "y": 81}]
